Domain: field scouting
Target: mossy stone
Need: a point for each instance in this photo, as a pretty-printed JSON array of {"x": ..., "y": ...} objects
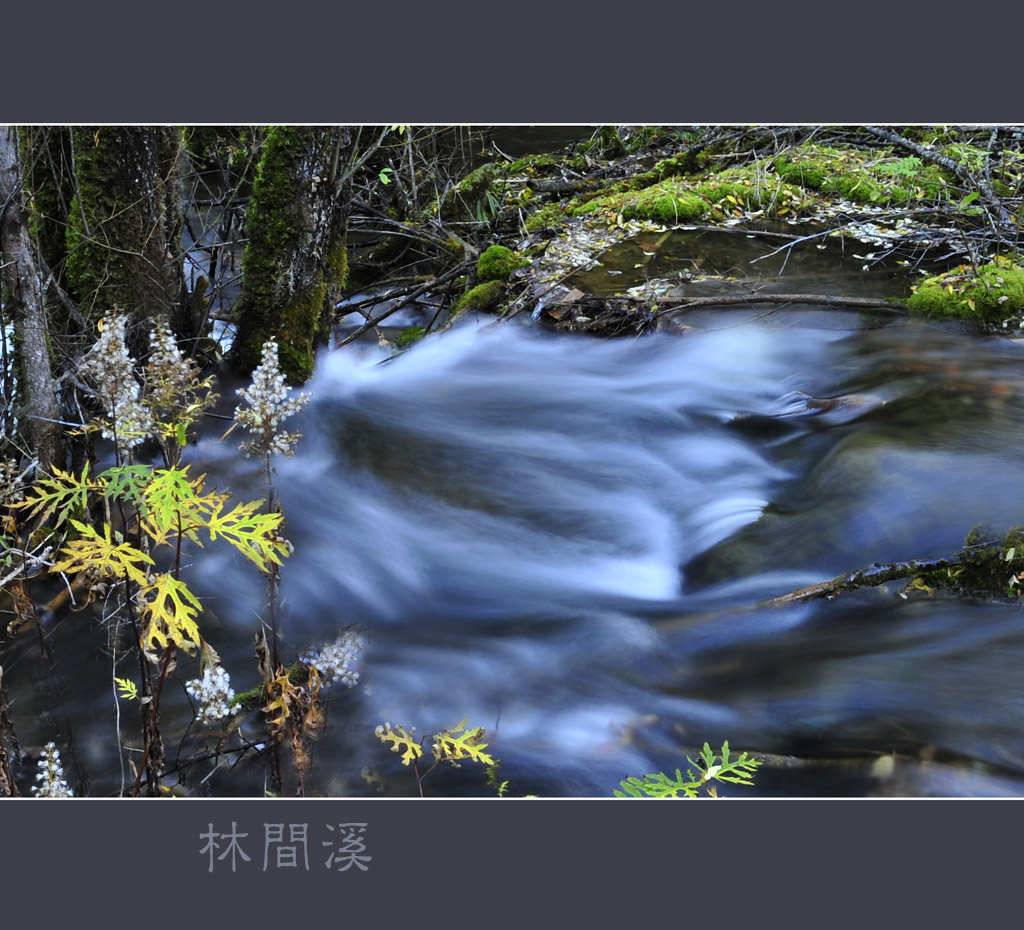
[
  {"x": 482, "y": 297},
  {"x": 464, "y": 200},
  {"x": 497, "y": 263}
]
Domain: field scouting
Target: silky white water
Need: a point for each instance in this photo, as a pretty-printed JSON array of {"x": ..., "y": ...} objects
[{"x": 547, "y": 533}]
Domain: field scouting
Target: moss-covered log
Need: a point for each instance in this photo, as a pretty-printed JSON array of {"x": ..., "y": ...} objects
[{"x": 295, "y": 262}]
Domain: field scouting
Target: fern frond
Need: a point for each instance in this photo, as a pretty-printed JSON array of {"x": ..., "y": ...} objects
[
  {"x": 101, "y": 553},
  {"x": 176, "y": 504},
  {"x": 125, "y": 481},
  {"x": 127, "y": 688},
  {"x": 713, "y": 768},
  {"x": 402, "y": 740},
  {"x": 454, "y": 744},
  {"x": 62, "y": 494},
  {"x": 660, "y": 785},
  {"x": 737, "y": 771},
  {"x": 252, "y": 534},
  {"x": 171, "y": 608}
]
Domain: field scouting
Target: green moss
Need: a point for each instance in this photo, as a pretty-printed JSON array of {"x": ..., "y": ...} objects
[
  {"x": 295, "y": 361},
  {"x": 831, "y": 171},
  {"x": 120, "y": 242},
  {"x": 470, "y": 196},
  {"x": 293, "y": 269},
  {"x": 971, "y": 157},
  {"x": 250, "y": 700},
  {"x": 551, "y": 215},
  {"x": 751, "y": 188},
  {"x": 668, "y": 202},
  {"x": 674, "y": 200},
  {"x": 987, "y": 568},
  {"x": 861, "y": 176},
  {"x": 991, "y": 294},
  {"x": 534, "y": 164},
  {"x": 455, "y": 248},
  {"x": 981, "y": 534},
  {"x": 46, "y": 153},
  {"x": 409, "y": 336},
  {"x": 910, "y": 179},
  {"x": 482, "y": 297},
  {"x": 497, "y": 263}
]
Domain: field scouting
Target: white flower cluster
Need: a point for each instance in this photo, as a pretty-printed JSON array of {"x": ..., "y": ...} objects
[
  {"x": 269, "y": 404},
  {"x": 170, "y": 374},
  {"x": 111, "y": 370},
  {"x": 337, "y": 660},
  {"x": 51, "y": 775},
  {"x": 213, "y": 693}
]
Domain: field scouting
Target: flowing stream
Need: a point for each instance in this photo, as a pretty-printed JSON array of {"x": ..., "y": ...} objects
[{"x": 566, "y": 539}]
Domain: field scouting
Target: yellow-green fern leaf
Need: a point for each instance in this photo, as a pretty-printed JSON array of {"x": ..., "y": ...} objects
[
  {"x": 127, "y": 688},
  {"x": 102, "y": 554},
  {"x": 171, "y": 608},
  {"x": 402, "y": 740},
  {"x": 252, "y": 534},
  {"x": 454, "y": 744}
]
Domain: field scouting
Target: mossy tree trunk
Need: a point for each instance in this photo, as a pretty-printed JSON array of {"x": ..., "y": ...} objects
[
  {"x": 124, "y": 230},
  {"x": 37, "y": 410},
  {"x": 294, "y": 265}
]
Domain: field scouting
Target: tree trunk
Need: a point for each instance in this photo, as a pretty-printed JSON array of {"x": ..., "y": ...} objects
[
  {"x": 37, "y": 408},
  {"x": 50, "y": 183},
  {"x": 124, "y": 234},
  {"x": 294, "y": 265}
]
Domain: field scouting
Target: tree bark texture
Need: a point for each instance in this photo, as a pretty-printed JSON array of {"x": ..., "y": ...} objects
[
  {"x": 294, "y": 265},
  {"x": 124, "y": 231},
  {"x": 37, "y": 399}
]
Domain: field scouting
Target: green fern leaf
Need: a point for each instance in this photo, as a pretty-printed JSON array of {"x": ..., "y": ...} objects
[
  {"x": 176, "y": 505},
  {"x": 127, "y": 688},
  {"x": 62, "y": 495},
  {"x": 710, "y": 768},
  {"x": 660, "y": 785},
  {"x": 126, "y": 481}
]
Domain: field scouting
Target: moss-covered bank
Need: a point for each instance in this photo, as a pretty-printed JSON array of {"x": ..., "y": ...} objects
[{"x": 987, "y": 295}]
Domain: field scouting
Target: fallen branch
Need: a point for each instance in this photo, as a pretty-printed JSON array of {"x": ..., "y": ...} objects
[
  {"x": 670, "y": 304},
  {"x": 431, "y": 285},
  {"x": 872, "y": 577}
]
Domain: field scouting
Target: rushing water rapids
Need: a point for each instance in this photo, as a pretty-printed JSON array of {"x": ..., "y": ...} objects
[{"x": 562, "y": 538}]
